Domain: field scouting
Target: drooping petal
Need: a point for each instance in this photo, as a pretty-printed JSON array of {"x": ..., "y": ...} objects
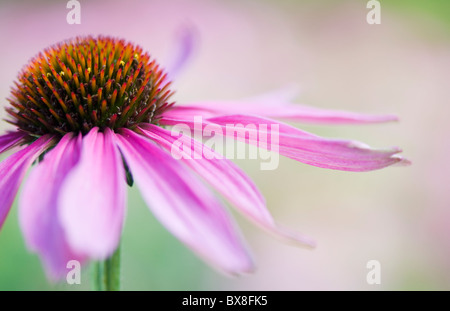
[
  {"x": 92, "y": 198},
  {"x": 277, "y": 110},
  {"x": 38, "y": 208},
  {"x": 12, "y": 171},
  {"x": 225, "y": 177},
  {"x": 338, "y": 154},
  {"x": 307, "y": 114},
  {"x": 183, "y": 204},
  {"x": 10, "y": 140}
]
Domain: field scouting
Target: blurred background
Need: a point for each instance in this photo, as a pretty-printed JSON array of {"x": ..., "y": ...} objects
[{"x": 399, "y": 216}]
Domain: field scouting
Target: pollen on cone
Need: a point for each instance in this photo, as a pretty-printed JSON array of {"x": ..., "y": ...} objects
[{"x": 88, "y": 82}]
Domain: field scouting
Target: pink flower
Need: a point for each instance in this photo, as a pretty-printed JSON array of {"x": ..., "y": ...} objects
[{"x": 94, "y": 112}]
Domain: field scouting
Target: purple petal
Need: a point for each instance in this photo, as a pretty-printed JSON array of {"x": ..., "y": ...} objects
[
  {"x": 182, "y": 51},
  {"x": 277, "y": 110},
  {"x": 10, "y": 140},
  {"x": 38, "y": 208},
  {"x": 12, "y": 171},
  {"x": 92, "y": 198},
  {"x": 225, "y": 177},
  {"x": 299, "y": 145},
  {"x": 183, "y": 204}
]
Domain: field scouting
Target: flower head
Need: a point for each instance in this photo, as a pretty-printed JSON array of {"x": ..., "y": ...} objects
[
  {"x": 89, "y": 82},
  {"x": 96, "y": 109}
]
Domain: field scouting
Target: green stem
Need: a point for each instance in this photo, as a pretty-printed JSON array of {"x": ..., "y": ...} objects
[{"x": 106, "y": 274}]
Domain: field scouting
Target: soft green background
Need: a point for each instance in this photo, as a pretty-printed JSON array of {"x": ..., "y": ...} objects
[{"x": 398, "y": 215}]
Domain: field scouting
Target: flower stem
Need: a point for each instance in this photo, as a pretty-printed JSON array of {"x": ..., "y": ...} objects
[{"x": 106, "y": 274}]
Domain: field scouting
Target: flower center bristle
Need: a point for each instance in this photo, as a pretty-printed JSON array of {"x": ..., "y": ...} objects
[{"x": 88, "y": 82}]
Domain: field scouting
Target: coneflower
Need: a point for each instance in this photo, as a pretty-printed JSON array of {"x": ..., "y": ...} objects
[{"x": 92, "y": 113}]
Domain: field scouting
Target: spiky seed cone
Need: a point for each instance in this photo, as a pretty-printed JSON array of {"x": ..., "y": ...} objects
[{"x": 88, "y": 82}]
